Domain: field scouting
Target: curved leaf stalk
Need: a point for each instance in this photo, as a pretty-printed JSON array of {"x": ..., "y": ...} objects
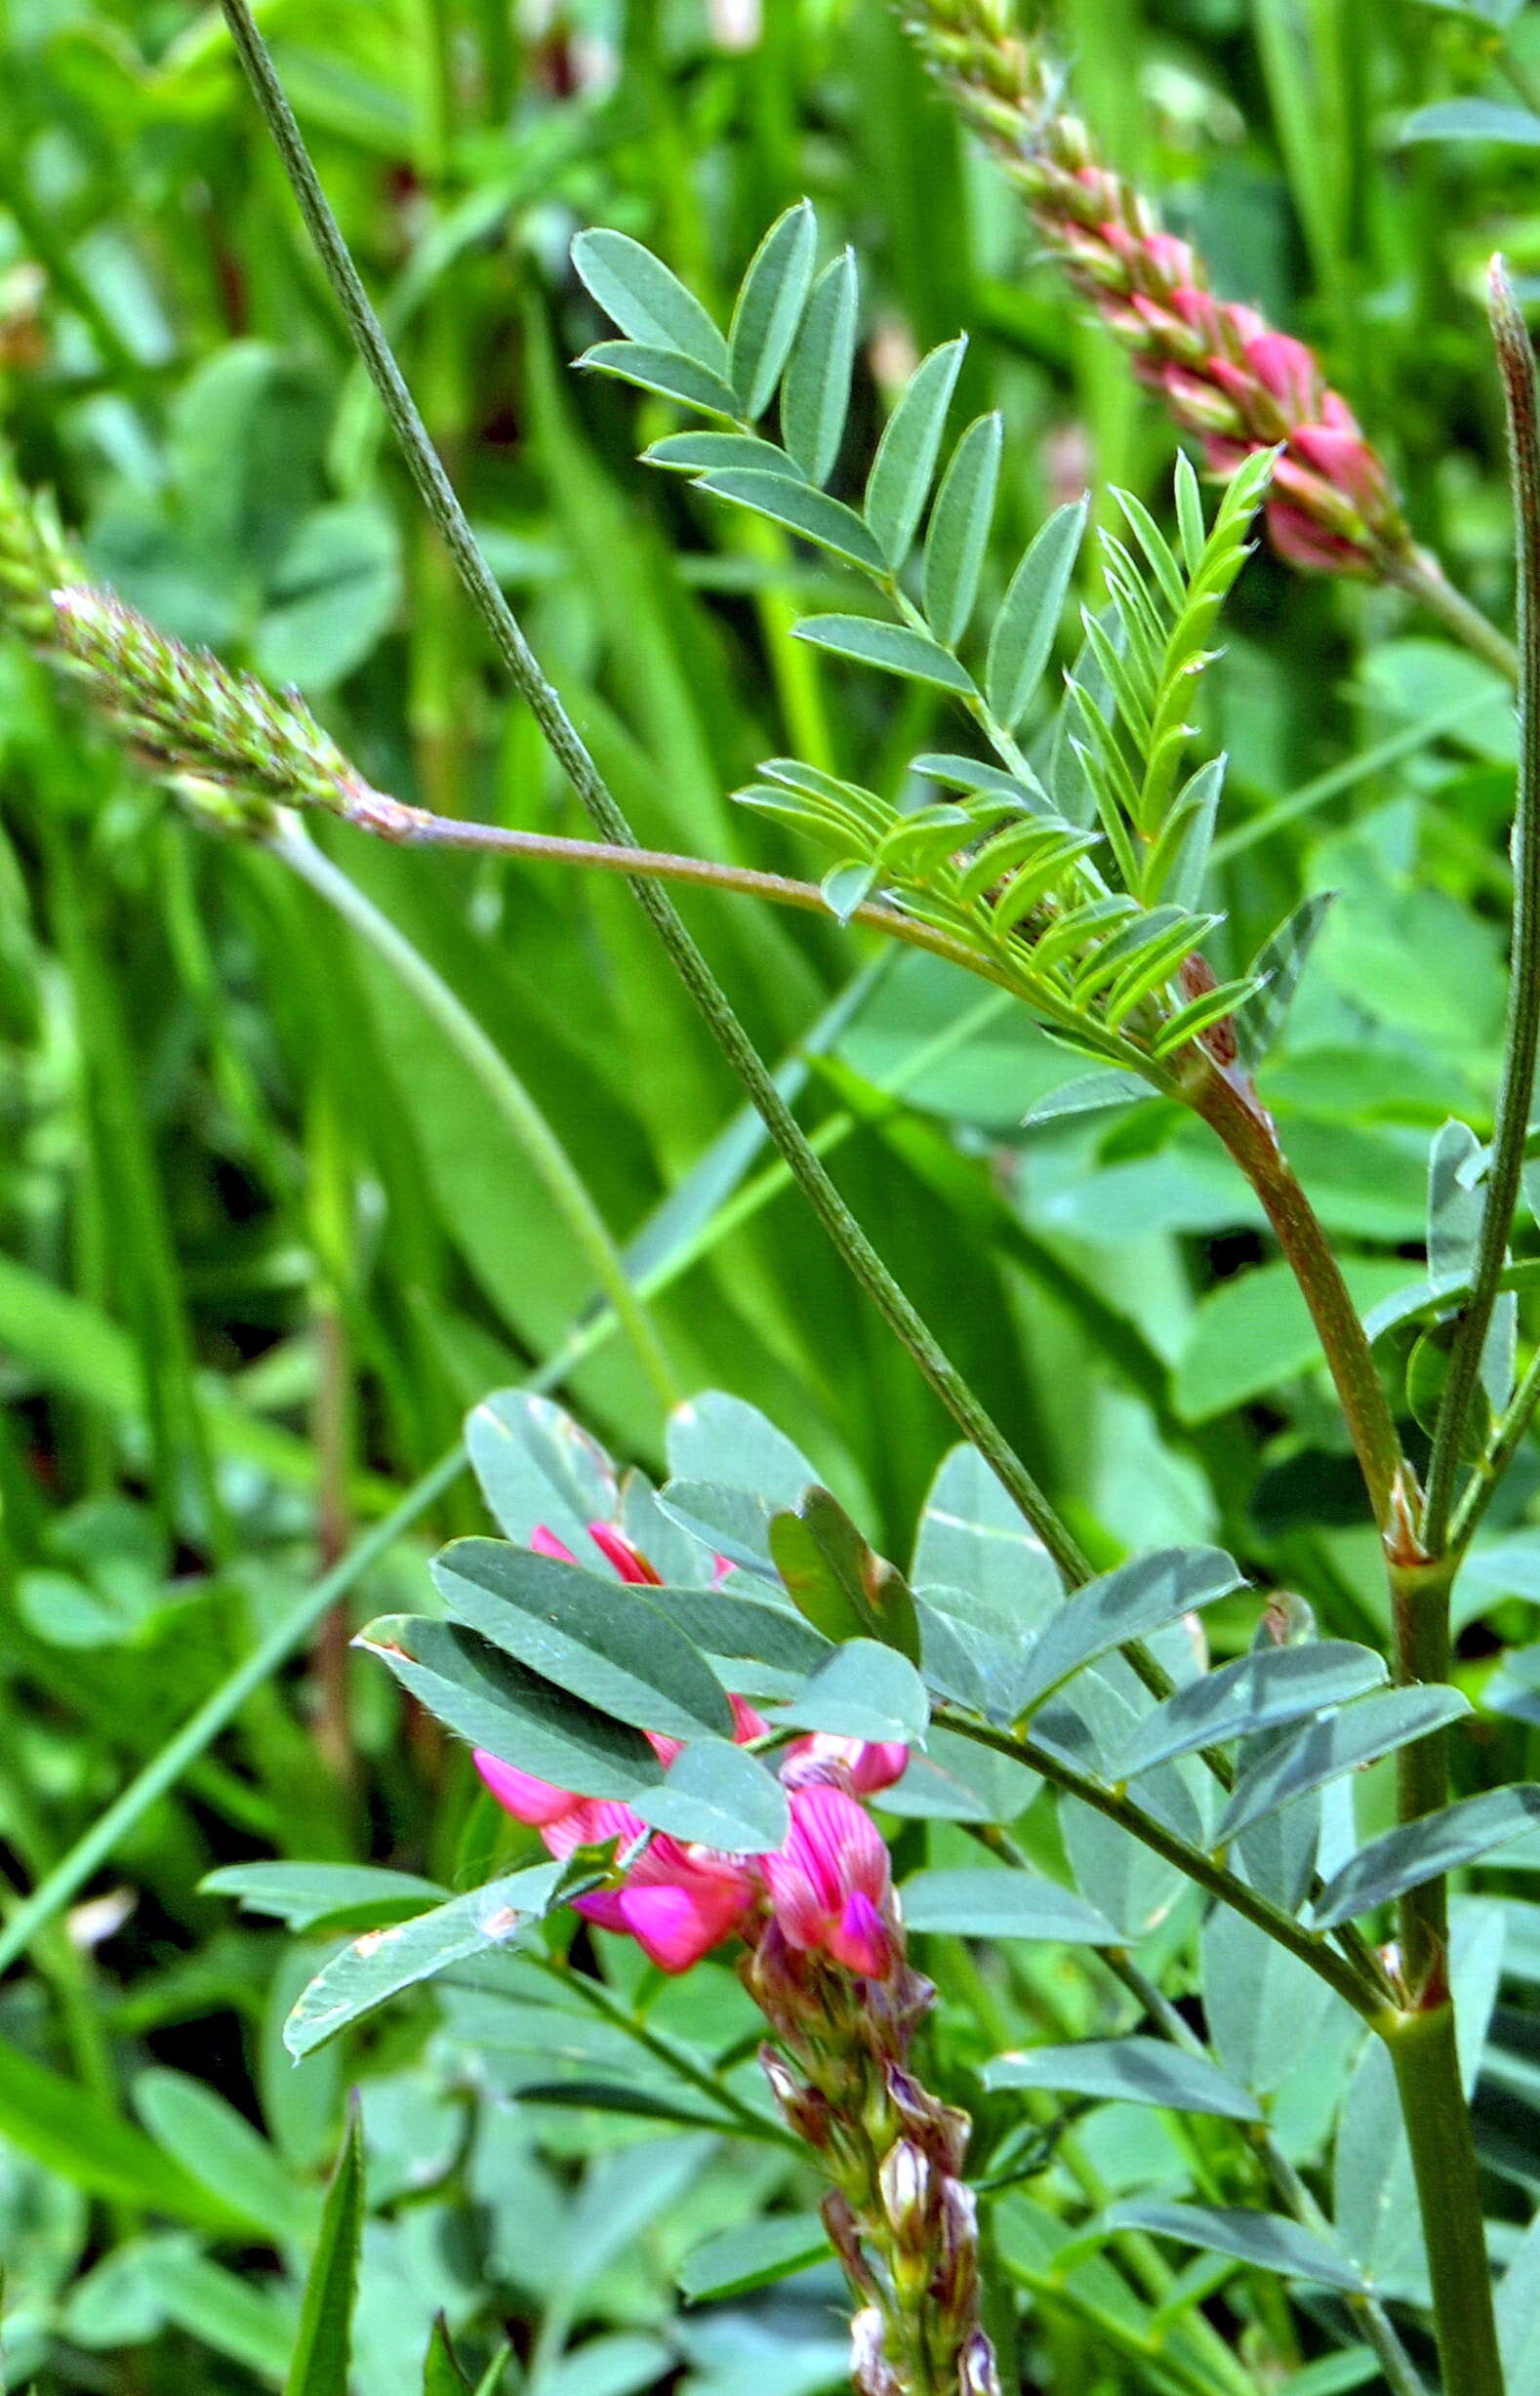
[
  {"x": 564, "y": 1184},
  {"x": 570, "y": 750}
]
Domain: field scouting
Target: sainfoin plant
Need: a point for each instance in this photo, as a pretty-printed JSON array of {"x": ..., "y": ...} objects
[{"x": 965, "y": 1848}]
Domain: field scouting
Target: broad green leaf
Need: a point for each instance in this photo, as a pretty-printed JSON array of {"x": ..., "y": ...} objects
[
  {"x": 664, "y": 372},
  {"x": 203, "y": 2132},
  {"x": 972, "y": 1536},
  {"x": 1022, "y": 641},
  {"x": 59, "y": 2125},
  {"x": 1280, "y": 967},
  {"x": 892, "y": 648},
  {"x": 301, "y": 1895},
  {"x": 905, "y": 464},
  {"x": 1253, "y": 1333},
  {"x": 600, "y": 1644},
  {"x": 959, "y": 529},
  {"x": 769, "y": 308},
  {"x": 1138, "y": 1598},
  {"x": 725, "y": 1622},
  {"x": 497, "y": 1704},
  {"x": 997, "y": 1902},
  {"x": 706, "y": 453},
  {"x": 955, "y": 1780},
  {"x": 754, "y": 2256},
  {"x": 1456, "y": 1203},
  {"x": 718, "y": 1795},
  {"x": 718, "y": 1438},
  {"x": 324, "y": 2345},
  {"x": 816, "y": 392},
  {"x": 1323, "y": 1752},
  {"x": 1268, "y": 2240},
  {"x": 1422, "y": 1850},
  {"x": 333, "y": 594},
  {"x": 220, "y": 2310},
  {"x": 862, "y": 1692},
  {"x": 735, "y": 1522},
  {"x": 1143, "y": 2071},
  {"x": 1263, "y": 2007},
  {"x": 1256, "y": 1693},
  {"x": 840, "y": 1584},
  {"x": 645, "y": 298},
  {"x": 537, "y": 1468},
  {"x": 1473, "y": 120},
  {"x": 379, "y": 1963},
  {"x": 804, "y": 511},
  {"x": 974, "y": 1651}
]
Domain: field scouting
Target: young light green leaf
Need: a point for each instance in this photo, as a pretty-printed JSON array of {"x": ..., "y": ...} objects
[
  {"x": 605, "y": 1646},
  {"x": 1189, "y": 512},
  {"x": 862, "y": 1692},
  {"x": 646, "y": 300},
  {"x": 1424, "y": 1849},
  {"x": 1022, "y": 641},
  {"x": 769, "y": 308},
  {"x": 1142, "y": 2071},
  {"x": 816, "y": 392},
  {"x": 379, "y": 1963},
  {"x": 847, "y": 886},
  {"x": 960, "y": 529},
  {"x": 906, "y": 460},
  {"x": 718, "y": 1794},
  {"x": 812, "y": 515},
  {"x": 522, "y": 1720},
  {"x": 1266, "y": 2240},
  {"x": 893, "y": 648},
  {"x": 996, "y": 1901},
  {"x": 755, "y": 2255},
  {"x": 1323, "y": 1752},
  {"x": 1139, "y": 1598},
  {"x": 1258, "y": 1692},
  {"x": 664, "y": 372},
  {"x": 322, "y": 2350}
]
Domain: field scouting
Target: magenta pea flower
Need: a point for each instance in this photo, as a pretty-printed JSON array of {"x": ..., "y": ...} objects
[{"x": 830, "y": 1884}]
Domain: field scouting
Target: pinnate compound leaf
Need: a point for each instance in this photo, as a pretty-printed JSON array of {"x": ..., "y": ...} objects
[
  {"x": 604, "y": 1644},
  {"x": 892, "y": 648},
  {"x": 1268, "y": 2240},
  {"x": 1022, "y": 641},
  {"x": 816, "y": 392},
  {"x": 1143, "y": 2071},
  {"x": 959, "y": 529},
  {"x": 1258, "y": 1692},
  {"x": 1139, "y": 1598},
  {"x": 769, "y": 306},
  {"x": 379, "y": 1963},
  {"x": 862, "y": 1692},
  {"x": 754, "y": 2256},
  {"x": 905, "y": 464},
  {"x": 998, "y": 1902},
  {"x": 1376, "y": 1727},
  {"x": 496, "y": 1703},
  {"x": 718, "y": 1795},
  {"x": 1422, "y": 1850},
  {"x": 646, "y": 298},
  {"x": 322, "y": 2351},
  {"x": 664, "y": 372}
]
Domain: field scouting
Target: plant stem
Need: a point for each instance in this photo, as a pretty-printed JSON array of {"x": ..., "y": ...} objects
[
  {"x": 1427, "y": 2065},
  {"x": 1249, "y": 1134},
  {"x": 1504, "y": 1444},
  {"x": 1425, "y": 580},
  {"x": 570, "y": 750},
  {"x": 1420, "y": 1604},
  {"x": 503, "y": 1087},
  {"x": 1522, "y": 1038}
]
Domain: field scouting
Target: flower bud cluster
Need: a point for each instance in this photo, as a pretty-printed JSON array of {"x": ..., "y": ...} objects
[{"x": 1221, "y": 371}]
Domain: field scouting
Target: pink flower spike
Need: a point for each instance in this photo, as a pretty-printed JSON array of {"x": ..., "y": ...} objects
[
  {"x": 674, "y": 1923},
  {"x": 628, "y": 1561},
  {"x": 528, "y": 1800},
  {"x": 1287, "y": 369},
  {"x": 833, "y": 1856}
]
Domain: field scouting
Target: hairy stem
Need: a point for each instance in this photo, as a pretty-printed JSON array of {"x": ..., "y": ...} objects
[
  {"x": 571, "y": 752},
  {"x": 1521, "y": 1039}
]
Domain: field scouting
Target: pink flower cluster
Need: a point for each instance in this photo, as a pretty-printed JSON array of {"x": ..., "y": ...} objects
[{"x": 828, "y": 1886}]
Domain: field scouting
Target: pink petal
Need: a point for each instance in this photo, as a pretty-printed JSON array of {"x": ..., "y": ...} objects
[
  {"x": 747, "y": 1723},
  {"x": 617, "y": 1550},
  {"x": 543, "y": 1542},
  {"x": 520, "y": 1794},
  {"x": 1287, "y": 369},
  {"x": 860, "y": 1939},
  {"x": 674, "y": 1926}
]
